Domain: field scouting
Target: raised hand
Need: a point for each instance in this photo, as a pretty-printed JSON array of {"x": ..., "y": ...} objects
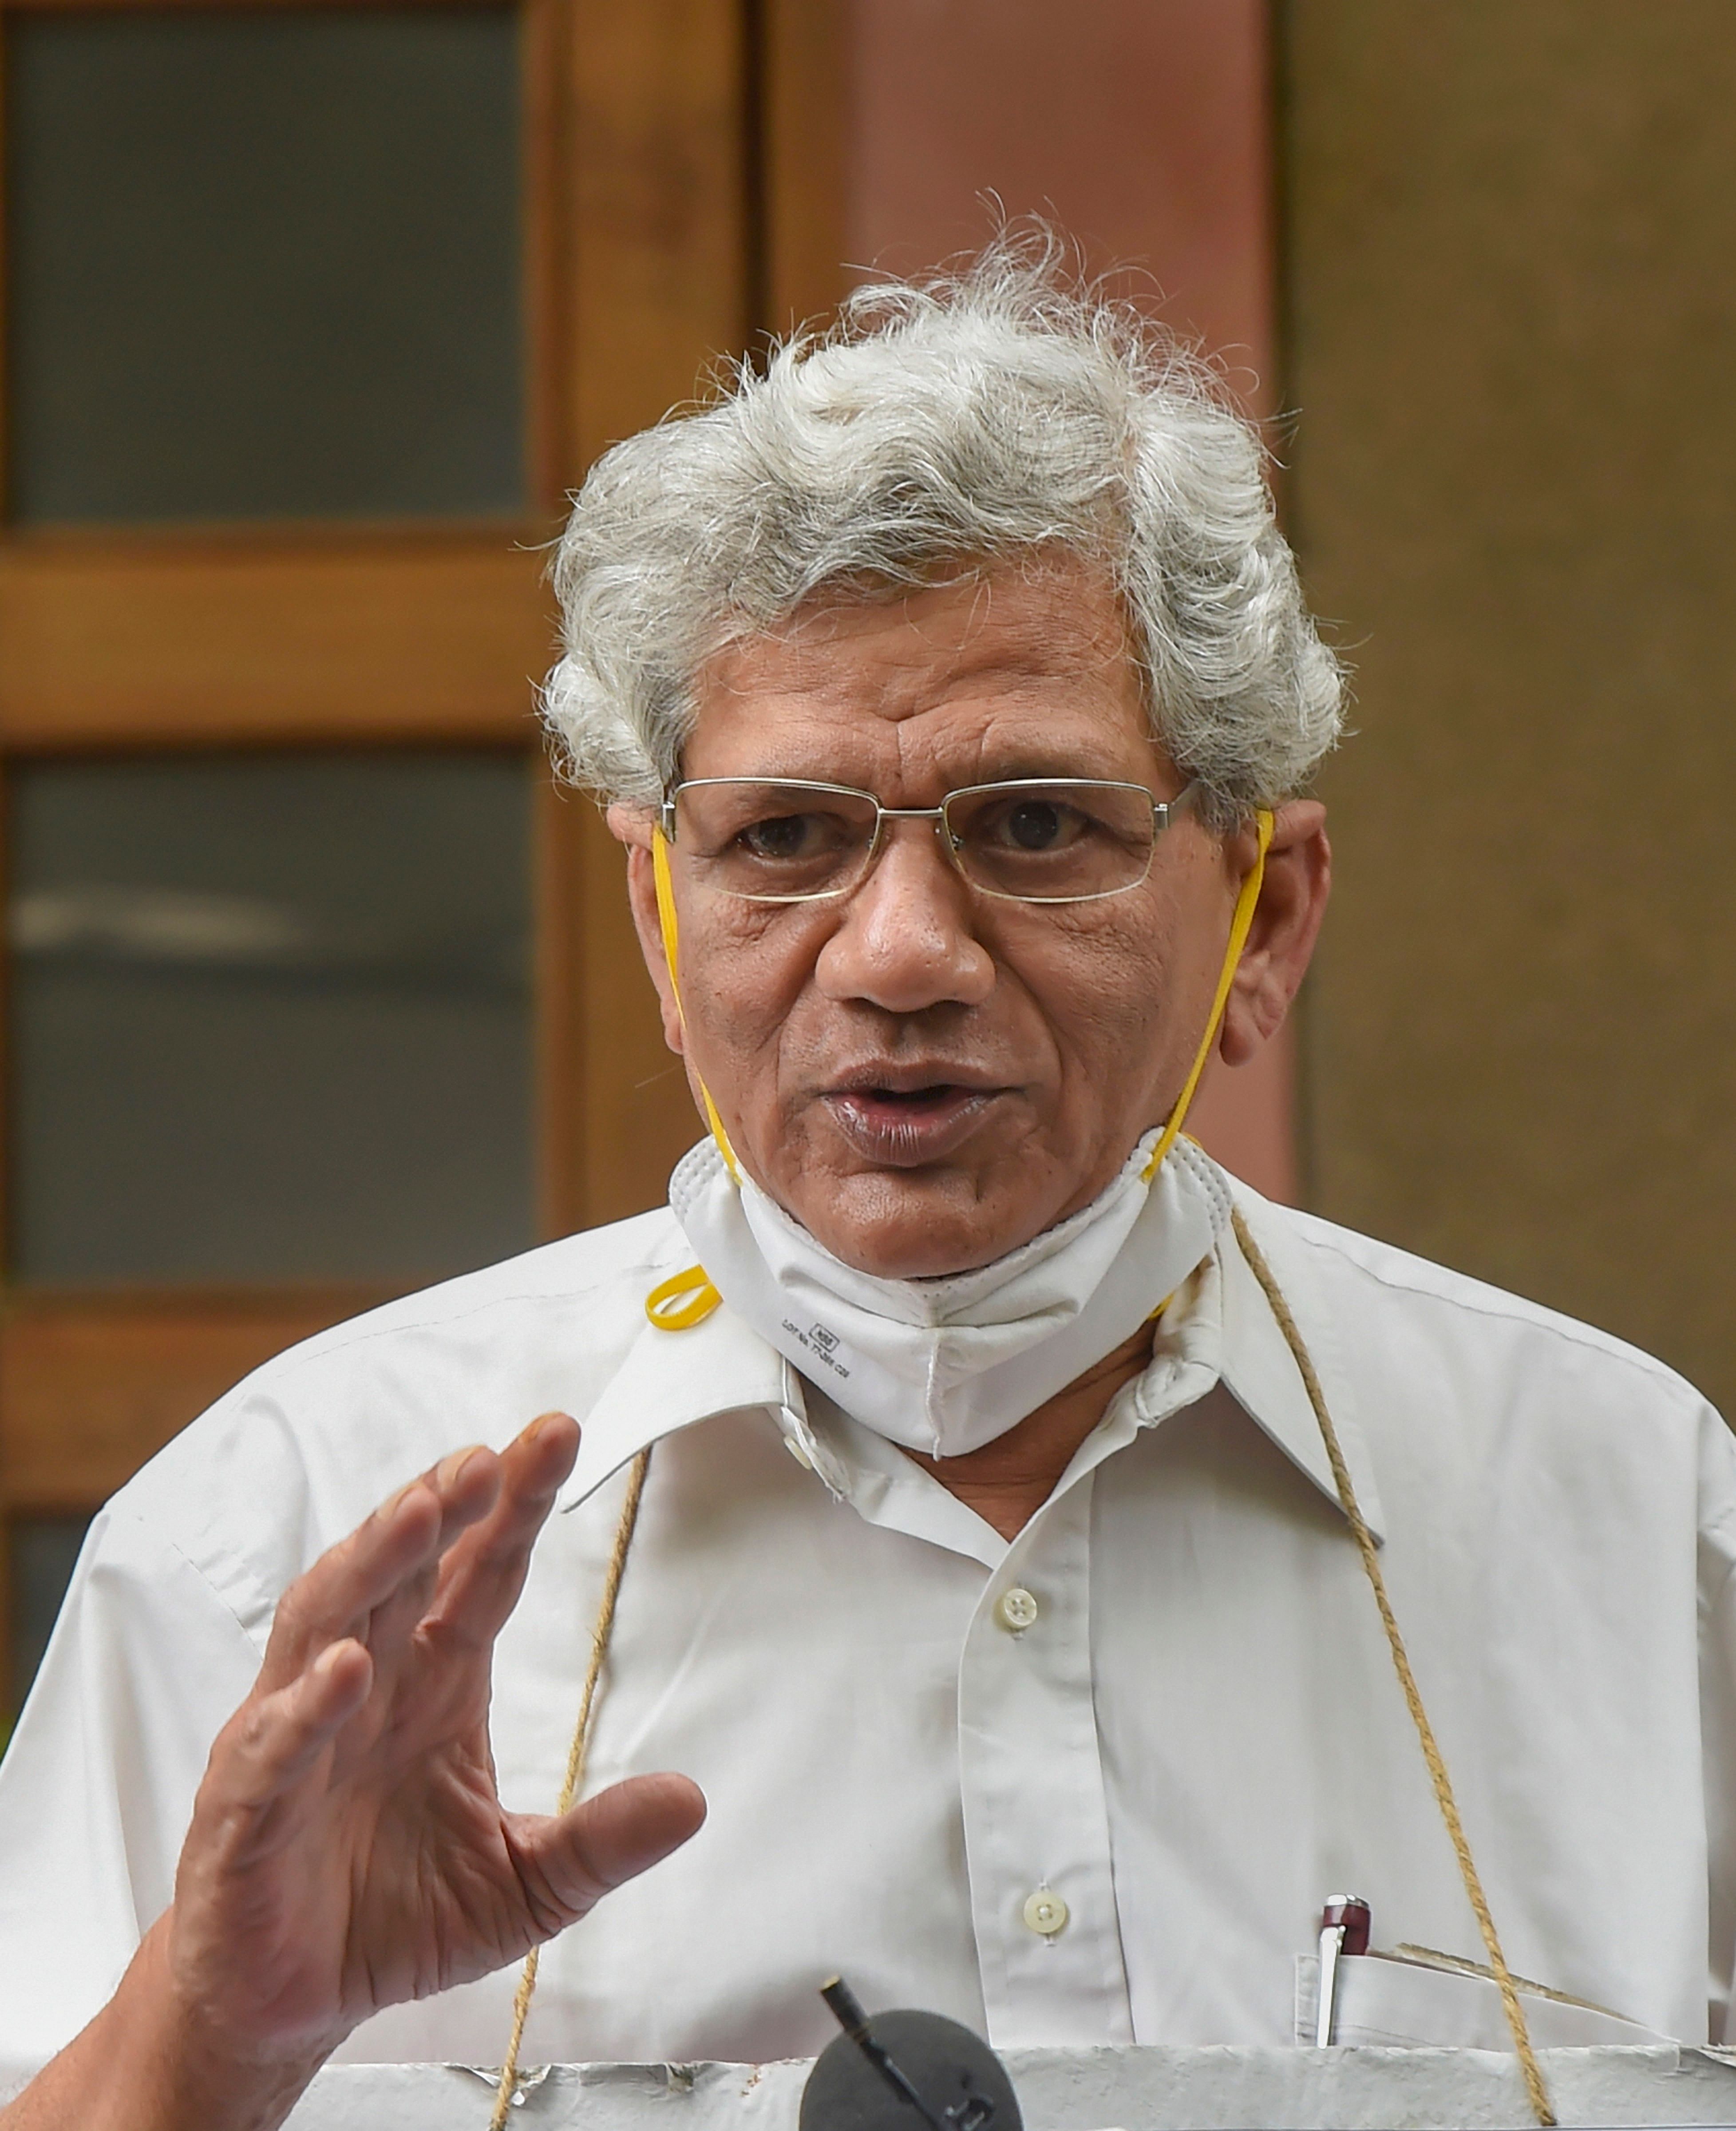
[{"x": 348, "y": 1849}]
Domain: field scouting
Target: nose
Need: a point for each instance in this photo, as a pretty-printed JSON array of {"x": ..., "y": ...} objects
[{"x": 905, "y": 940}]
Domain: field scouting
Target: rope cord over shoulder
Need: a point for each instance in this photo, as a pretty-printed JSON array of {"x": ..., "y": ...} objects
[
  {"x": 1535, "y": 2091},
  {"x": 601, "y": 1635}
]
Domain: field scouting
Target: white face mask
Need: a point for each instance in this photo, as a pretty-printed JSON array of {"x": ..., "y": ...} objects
[{"x": 945, "y": 1365}]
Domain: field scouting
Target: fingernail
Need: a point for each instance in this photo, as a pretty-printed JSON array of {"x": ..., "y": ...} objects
[{"x": 450, "y": 1470}]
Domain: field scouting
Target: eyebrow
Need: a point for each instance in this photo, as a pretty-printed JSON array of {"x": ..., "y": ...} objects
[
  {"x": 1026, "y": 767},
  {"x": 1013, "y": 770}
]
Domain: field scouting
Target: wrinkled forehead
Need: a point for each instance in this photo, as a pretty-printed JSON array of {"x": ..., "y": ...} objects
[{"x": 998, "y": 673}]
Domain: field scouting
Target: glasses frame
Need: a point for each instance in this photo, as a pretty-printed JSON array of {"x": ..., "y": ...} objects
[{"x": 1163, "y": 812}]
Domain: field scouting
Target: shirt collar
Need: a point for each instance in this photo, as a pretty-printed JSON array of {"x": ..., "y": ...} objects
[
  {"x": 670, "y": 1381},
  {"x": 1261, "y": 1373}
]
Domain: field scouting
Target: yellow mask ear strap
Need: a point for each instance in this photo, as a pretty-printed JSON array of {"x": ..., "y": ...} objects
[
  {"x": 1239, "y": 928},
  {"x": 679, "y": 1303},
  {"x": 671, "y": 930}
]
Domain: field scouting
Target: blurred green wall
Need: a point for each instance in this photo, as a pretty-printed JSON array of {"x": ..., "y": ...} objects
[{"x": 1510, "y": 285}]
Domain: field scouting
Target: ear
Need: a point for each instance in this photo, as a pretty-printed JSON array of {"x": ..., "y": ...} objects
[
  {"x": 632, "y": 826},
  {"x": 1292, "y": 898}
]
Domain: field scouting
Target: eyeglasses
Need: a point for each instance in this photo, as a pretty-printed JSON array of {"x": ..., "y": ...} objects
[{"x": 1034, "y": 839}]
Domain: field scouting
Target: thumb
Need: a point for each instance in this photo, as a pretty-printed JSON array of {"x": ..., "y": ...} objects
[{"x": 621, "y": 1832}]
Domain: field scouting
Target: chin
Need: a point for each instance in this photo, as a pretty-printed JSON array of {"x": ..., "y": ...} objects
[{"x": 883, "y": 1227}]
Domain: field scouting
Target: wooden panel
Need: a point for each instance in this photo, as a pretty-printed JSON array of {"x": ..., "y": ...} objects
[
  {"x": 804, "y": 103},
  {"x": 657, "y": 291},
  {"x": 563, "y": 1008},
  {"x": 91, "y": 1386},
  {"x": 57, "y": 6},
  {"x": 616, "y": 1111},
  {"x": 658, "y": 179},
  {"x": 639, "y": 1117},
  {"x": 638, "y": 231},
  {"x": 638, "y": 244},
  {"x": 617, "y": 1114},
  {"x": 545, "y": 31},
  {"x": 154, "y": 642}
]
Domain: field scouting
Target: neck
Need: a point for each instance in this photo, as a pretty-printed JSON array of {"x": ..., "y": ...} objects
[{"x": 1008, "y": 1481}]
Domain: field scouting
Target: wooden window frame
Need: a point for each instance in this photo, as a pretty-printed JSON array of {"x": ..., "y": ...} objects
[{"x": 641, "y": 192}]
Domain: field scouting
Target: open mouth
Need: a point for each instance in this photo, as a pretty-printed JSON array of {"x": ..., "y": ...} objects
[
  {"x": 916, "y": 1100},
  {"x": 904, "y": 1128}
]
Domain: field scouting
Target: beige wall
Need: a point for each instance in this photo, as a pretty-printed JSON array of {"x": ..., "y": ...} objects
[{"x": 1511, "y": 248}]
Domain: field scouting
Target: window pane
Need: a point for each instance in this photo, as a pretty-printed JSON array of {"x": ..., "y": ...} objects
[
  {"x": 270, "y": 1017},
  {"x": 42, "y": 1552},
  {"x": 263, "y": 263}
]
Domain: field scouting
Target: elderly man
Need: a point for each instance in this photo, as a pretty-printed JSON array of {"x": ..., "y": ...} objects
[{"x": 978, "y": 1495}]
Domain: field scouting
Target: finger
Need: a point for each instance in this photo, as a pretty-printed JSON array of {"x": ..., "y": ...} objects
[
  {"x": 466, "y": 1502},
  {"x": 399, "y": 1544},
  {"x": 274, "y": 1740},
  {"x": 483, "y": 1575},
  {"x": 570, "y": 1862}
]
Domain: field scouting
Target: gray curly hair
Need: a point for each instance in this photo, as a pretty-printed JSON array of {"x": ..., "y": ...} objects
[{"x": 944, "y": 427}]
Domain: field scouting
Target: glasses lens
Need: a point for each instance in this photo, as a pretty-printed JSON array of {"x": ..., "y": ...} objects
[
  {"x": 1052, "y": 843},
  {"x": 773, "y": 842}
]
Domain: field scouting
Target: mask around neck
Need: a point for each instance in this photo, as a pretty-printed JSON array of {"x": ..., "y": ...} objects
[{"x": 945, "y": 1365}]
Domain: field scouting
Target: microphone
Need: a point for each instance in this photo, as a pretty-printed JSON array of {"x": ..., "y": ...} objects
[{"x": 899, "y": 2070}]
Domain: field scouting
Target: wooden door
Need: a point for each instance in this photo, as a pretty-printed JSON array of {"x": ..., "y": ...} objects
[{"x": 523, "y": 230}]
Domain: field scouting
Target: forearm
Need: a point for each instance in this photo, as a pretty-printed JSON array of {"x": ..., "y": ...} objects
[{"x": 143, "y": 2065}]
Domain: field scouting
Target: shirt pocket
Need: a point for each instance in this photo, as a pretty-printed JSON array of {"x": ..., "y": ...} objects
[{"x": 1389, "y": 2001}]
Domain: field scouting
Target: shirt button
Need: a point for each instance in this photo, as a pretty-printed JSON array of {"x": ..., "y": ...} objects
[
  {"x": 1045, "y": 1912},
  {"x": 1016, "y": 1610}
]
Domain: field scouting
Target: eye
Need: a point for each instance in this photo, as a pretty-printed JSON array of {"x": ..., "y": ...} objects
[
  {"x": 779, "y": 838},
  {"x": 1035, "y": 825}
]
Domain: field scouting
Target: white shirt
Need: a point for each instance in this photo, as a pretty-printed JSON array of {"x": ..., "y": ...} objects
[{"x": 1197, "y": 1738}]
